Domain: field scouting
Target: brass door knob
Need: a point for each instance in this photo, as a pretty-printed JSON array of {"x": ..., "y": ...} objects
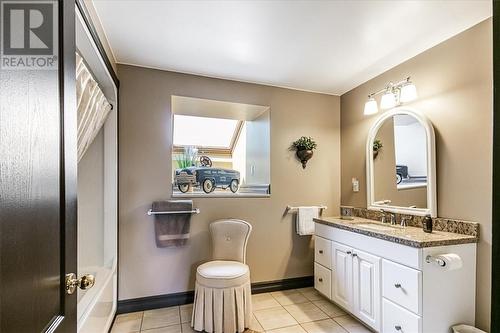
[{"x": 85, "y": 282}]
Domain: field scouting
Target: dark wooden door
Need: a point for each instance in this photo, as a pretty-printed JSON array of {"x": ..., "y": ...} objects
[
  {"x": 495, "y": 252},
  {"x": 37, "y": 167}
]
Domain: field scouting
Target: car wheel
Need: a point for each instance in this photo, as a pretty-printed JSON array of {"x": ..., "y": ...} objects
[
  {"x": 208, "y": 186},
  {"x": 234, "y": 185},
  {"x": 183, "y": 188},
  {"x": 399, "y": 178}
]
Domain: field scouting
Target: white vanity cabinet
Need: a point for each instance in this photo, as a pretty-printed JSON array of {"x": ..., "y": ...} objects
[
  {"x": 366, "y": 287},
  {"x": 356, "y": 282},
  {"x": 389, "y": 286},
  {"x": 342, "y": 275}
]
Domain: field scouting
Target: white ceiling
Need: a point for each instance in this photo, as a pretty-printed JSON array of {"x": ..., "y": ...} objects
[{"x": 323, "y": 46}]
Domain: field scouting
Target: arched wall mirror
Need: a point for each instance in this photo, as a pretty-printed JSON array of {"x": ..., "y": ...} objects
[{"x": 401, "y": 164}]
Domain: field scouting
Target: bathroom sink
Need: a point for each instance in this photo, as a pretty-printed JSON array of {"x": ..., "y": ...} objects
[{"x": 376, "y": 226}]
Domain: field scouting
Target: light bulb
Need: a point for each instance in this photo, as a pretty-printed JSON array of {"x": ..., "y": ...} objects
[
  {"x": 371, "y": 107},
  {"x": 388, "y": 100},
  {"x": 408, "y": 93}
]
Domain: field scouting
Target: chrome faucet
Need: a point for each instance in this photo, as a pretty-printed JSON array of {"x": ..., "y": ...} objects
[
  {"x": 392, "y": 218},
  {"x": 404, "y": 221},
  {"x": 383, "y": 218}
]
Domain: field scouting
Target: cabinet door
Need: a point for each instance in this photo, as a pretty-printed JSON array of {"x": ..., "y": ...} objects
[
  {"x": 366, "y": 288},
  {"x": 342, "y": 275}
]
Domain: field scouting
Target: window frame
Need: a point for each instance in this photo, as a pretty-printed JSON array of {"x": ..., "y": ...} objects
[{"x": 212, "y": 150}]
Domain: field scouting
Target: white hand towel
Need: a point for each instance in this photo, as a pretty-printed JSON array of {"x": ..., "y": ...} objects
[{"x": 305, "y": 223}]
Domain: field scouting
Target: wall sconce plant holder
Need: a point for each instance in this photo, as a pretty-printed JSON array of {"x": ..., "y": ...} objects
[
  {"x": 377, "y": 146},
  {"x": 304, "y": 149}
]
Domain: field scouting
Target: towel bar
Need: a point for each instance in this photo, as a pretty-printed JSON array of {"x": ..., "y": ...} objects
[
  {"x": 290, "y": 208},
  {"x": 194, "y": 211}
]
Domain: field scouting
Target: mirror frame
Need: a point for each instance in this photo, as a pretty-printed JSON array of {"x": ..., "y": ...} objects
[{"x": 431, "y": 165}]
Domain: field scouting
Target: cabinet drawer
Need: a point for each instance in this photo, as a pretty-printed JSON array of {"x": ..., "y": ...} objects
[
  {"x": 402, "y": 285},
  {"x": 399, "y": 320},
  {"x": 323, "y": 280},
  {"x": 323, "y": 251}
]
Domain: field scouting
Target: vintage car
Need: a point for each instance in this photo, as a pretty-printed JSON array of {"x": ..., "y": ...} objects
[
  {"x": 401, "y": 173},
  {"x": 207, "y": 177}
]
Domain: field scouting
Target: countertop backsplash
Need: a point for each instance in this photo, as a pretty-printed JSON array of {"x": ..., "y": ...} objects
[{"x": 439, "y": 223}]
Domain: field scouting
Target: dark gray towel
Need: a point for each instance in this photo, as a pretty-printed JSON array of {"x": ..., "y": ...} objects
[{"x": 172, "y": 229}]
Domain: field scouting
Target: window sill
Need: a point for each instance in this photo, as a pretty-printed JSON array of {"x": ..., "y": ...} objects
[
  {"x": 221, "y": 195},
  {"x": 410, "y": 186}
]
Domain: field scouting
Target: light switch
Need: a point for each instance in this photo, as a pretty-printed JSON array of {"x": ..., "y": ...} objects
[{"x": 355, "y": 185}]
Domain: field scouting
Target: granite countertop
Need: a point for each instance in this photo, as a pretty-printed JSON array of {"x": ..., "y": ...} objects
[{"x": 409, "y": 236}]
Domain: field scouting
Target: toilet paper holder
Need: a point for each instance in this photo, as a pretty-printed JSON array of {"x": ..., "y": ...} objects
[{"x": 435, "y": 260}]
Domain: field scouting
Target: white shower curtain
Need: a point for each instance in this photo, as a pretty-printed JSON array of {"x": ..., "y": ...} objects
[{"x": 93, "y": 107}]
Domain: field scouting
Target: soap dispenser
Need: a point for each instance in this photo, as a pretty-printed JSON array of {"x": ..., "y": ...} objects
[{"x": 427, "y": 224}]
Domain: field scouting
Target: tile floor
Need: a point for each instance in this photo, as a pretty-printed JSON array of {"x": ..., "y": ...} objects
[{"x": 291, "y": 311}]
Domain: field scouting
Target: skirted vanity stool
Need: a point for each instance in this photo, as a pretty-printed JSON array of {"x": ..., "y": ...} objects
[{"x": 222, "y": 298}]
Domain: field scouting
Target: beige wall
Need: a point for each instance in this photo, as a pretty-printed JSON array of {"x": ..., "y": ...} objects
[
  {"x": 274, "y": 250},
  {"x": 454, "y": 82}
]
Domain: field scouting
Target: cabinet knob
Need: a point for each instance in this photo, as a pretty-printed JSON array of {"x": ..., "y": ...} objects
[
  {"x": 320, "y": 251},
  {"x": 348, "y": 252},
  {"x": 397, "y": 285},
  {"x": 354, "y": 254},
  {"x": 320, "y": 279},
  {"x": 397, "y": 327}
]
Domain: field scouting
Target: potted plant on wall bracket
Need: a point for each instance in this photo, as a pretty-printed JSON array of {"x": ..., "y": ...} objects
[
  {"x": 304, "y": 149},
  {"x": 377, "y": 145}
]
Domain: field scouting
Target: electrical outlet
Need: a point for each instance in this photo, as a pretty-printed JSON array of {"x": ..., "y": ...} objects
[{"x": 347, "y": 212}]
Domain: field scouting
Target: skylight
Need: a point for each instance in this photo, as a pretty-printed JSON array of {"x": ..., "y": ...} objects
[{"x": 204, "y": 132}]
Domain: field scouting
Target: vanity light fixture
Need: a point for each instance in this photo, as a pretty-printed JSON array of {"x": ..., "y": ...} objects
[
  {"x": 371, "y": 106},
  {"x": 393, "y": 94},
  {"x": 408, "y": 92},
  {"x": 388, "y": 100}
]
